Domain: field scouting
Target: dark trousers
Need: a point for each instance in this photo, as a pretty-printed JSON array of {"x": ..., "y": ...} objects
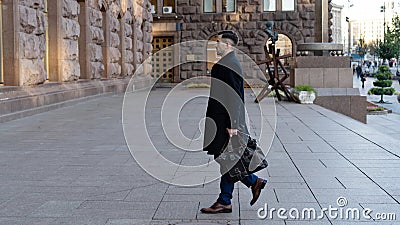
[{"x": 226, "y": 186}]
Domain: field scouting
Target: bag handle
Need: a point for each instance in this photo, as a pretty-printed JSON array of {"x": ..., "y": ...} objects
[{"x": 243, "y": 133}]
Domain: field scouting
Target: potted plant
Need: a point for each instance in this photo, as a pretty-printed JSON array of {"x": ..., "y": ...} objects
[
  {"x": 306, "y": 94},
  {"x": 398, "y": 95}
]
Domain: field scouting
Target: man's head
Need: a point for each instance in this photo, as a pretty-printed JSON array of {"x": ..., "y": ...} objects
[
  {"x": 229, "y": 35},
  {"x": 225, "y": 40}
]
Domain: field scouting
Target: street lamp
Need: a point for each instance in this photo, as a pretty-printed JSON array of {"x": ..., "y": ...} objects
[
  {"x": 383, "y": 9},
  {"x": 349, "y": 5},
  {"x": 349, "y": 34}
]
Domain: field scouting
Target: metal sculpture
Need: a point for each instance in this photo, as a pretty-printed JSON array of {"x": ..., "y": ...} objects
[{"x": 274, "y": 78}]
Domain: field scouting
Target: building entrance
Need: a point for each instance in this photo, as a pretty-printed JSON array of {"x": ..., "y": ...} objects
[{"x": 163, "y": 63}]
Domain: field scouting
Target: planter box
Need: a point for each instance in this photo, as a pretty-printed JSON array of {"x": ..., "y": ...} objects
[{"x": 306, "y": 97}]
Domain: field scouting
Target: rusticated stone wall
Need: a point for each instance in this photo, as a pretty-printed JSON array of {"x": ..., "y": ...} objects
[
  {"x": 24, "y": 42},
  {"x": 113, "y": 68},
  {"x": 32, "y": 42},
  {"x": 249, "y": 22},
  {"x": 88, "y": 39},
  {"x": 126, "y": 47},
  {"x": 142, "y": 30},
  {"x": 69, "y": 57},
  {"x": 95, "y": 39}
]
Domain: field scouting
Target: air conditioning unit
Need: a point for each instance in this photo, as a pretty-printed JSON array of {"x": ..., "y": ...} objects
[
  {"x": 167, "y": 9},
  {"x": 153, "y": 10}
]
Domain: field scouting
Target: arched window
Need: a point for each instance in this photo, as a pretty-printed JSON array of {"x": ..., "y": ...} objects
[{"x": 285, "y": 46}]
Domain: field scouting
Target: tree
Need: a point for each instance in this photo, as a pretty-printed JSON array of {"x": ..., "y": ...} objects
[
  {"x": 390, "y": 47},
  {"x": 395, "y": 30},
  {"x": 384, "y": 49},
  {"x": 361, "y": 48},
  {"x": 383, "y": 83},
  {"x": 372, "y": 47}
]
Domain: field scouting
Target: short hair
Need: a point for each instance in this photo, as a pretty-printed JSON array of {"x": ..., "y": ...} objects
[{"x": 229, "y": 34}]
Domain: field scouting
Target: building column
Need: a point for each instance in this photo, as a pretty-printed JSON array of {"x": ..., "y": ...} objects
[
  {"x": 91, "y": 39},
  {"x": 111, "y": 45},
  {"x": 106, "y": 44},
  {"x": 322, "y": 21}
]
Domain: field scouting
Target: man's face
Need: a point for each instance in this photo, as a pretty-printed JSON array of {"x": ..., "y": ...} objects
[{"x": 220, "y": 46}]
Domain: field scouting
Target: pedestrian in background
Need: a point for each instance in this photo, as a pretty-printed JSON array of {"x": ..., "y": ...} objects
[
  {"x": 358, "y": 70},
  {"x": 363, "y": 79}
]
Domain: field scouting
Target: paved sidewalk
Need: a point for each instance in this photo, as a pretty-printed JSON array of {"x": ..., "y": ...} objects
[{"x": 72, "y": 166}]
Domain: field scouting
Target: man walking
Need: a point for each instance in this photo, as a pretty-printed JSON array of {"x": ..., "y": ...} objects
[{"x": 225, "y": 117}]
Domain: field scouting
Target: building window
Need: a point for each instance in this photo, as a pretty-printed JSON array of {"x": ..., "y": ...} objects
[
  {"x": 209, "y": 6},
  {"x": 162, "y": 6},
  {"x": 269, "y": 5},
  {"x": 168, "y": 5},
  {"x": 279, "y": 5},
  {"x": 287, "y": 5},
  {"x": 228, "y": 5},
  {"x": 212, "y": 6},
  {"x": 153, "y": 6}
]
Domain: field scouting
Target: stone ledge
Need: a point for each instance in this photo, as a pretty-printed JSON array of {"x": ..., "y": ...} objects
[
  {"x": 42, "y": 109},
  {"x": 338, "y": 91},
  {"x": 346, "y": 101},
  {"x": 18, "y": 102},
  {"x": 322, "y": 62}
]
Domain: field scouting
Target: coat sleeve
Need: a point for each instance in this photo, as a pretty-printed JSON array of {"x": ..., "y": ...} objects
[{"x": 234, "y": 98}]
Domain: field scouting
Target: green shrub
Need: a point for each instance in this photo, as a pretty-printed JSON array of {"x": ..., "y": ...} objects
[
  {"x": 202, "y": 85},
  {"x": 383, "y": 76},
  {"x": 381, "y": 91},
  {"x": 383, "y": 83},
  {"x": 389, "y": 91},
  {"x": 303, "y": 87},
  {"x": 375, "y": 109},
  {"x": 383, "y": 69}
]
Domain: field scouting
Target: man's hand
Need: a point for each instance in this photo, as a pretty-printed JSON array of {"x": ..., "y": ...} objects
[{"x": 232, "y": 132}]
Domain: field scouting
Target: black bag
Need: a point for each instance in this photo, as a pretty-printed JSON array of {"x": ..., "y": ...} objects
[{"x": 241, "y": 157}]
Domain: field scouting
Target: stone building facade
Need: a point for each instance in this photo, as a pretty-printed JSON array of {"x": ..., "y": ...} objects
[
  {"x": 68, "y": 40},
  {"x": 301, "y": 21}
]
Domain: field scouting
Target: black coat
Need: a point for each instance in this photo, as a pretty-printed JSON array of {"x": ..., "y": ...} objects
[{"x": 225, "y": 104}]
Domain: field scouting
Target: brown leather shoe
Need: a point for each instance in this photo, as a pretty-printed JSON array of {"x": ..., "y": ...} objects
[
  {"x": 217, "y": 208},
  {"x": 256, "y": 189}
]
